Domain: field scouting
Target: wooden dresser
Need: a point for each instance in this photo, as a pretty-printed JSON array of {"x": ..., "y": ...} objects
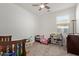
[{"x": 73, "y": 44}]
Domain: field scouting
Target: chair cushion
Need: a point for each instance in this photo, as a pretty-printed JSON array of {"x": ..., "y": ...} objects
[{"x": 44, "y": 41}]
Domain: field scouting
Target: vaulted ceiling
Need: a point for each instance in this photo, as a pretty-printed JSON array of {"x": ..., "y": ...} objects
[{"x": 53, "y": 7}]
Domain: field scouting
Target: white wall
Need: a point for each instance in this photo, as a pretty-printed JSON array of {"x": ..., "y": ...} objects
[
  {"x": 17, "y": 22},
  {"x": 47, "y": 24},
  {"x": 48, "y": 21},
  {"x": 77, "y": 18},
  {"x": 71, "y": 12},
  {"x": 20, "y": 23}
]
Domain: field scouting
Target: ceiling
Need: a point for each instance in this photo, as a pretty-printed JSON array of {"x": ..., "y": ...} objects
[{"x": 53, "y": 7}]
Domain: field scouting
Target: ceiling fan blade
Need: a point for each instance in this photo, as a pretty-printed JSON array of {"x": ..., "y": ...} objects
[
  {"x": 40, "y": 9},
  {"x": 48, "y": 10},
  {"x": 45, "y": 3},
  {"x": 47, "y": 7},
  {"x": 35, "y": 5}
]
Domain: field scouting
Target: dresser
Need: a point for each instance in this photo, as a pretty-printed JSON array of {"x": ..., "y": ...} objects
[{"x": 73, "y": 44}]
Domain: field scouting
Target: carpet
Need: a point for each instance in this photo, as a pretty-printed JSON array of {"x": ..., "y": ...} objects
[{"x": 39, "y": 49}]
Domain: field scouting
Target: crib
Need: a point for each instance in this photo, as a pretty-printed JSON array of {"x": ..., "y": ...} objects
[
  {"x": 5, "y": 38},
  {"x": 12, "y": 48}
]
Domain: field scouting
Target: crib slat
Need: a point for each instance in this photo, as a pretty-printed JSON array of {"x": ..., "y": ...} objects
[
  {"x": 12, "y": 47},
  {"x": 5, "y": 38}
]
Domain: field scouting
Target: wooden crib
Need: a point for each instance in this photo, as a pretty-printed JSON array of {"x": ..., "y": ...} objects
[
  {"x": 5, "y": 38},
  {"x": 12, "y": 48}
]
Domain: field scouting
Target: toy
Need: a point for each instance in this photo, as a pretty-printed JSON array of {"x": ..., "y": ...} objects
[
  {"x": 43, "y": 40},
  {"x": 13, "y": 50},
  {"x": 18, "y": 52},
  {"x": 21, "y": 49},
  {"x": 8, "y": 52},
  {"x": 1, "y": 48}
]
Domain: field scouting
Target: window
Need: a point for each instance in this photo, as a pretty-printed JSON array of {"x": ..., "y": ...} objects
[{"x": 63, "y": 24}]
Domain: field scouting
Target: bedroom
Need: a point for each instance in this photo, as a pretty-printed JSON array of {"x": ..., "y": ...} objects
[{"x": 24, "y": 21}]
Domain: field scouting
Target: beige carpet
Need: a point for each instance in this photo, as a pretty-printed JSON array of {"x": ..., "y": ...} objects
[{"x": 38, "y": 49}]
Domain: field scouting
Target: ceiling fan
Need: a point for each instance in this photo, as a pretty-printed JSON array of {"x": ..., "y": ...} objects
[{"x": 42, "y": 6}]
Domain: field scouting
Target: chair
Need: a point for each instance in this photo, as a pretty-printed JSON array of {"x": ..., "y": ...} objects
[
  {"x": 37, "y": 38},
  {"x": 56, "y": 38}
]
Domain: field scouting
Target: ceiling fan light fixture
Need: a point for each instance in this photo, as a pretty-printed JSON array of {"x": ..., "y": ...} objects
[{"x": 42, "y": 6}]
